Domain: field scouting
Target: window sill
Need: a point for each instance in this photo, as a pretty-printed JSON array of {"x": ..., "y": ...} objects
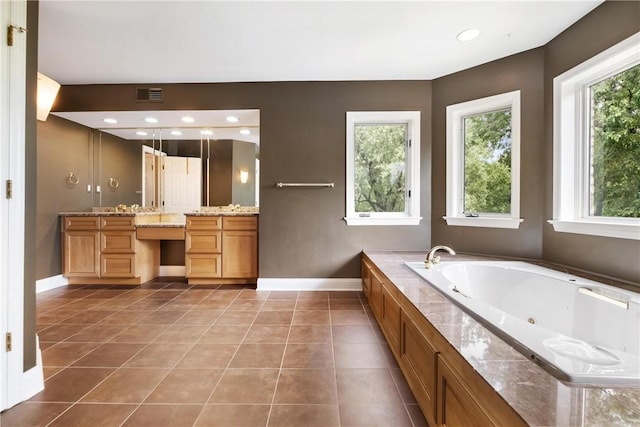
[
  {"x": 599, "y": 228},
  {"x": 383, "y": 221},
  {"x": 487, "y": 222}
]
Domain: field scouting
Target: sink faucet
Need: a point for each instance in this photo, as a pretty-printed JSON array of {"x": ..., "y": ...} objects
[{"x": 433, "y": 259}]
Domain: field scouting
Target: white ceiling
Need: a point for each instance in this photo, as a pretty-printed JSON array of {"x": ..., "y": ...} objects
[{"x": 91, "y": 42}]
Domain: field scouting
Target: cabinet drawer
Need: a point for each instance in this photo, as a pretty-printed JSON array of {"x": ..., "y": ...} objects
[
  {"x": 204, "y": 223},
  {"x": 240, "y": 223},
  {"x": 118, "y": 242},
  {"x": 118, "y": 265},
  {"x": 117, "y": 223},
  {"x": 81, "y": 223},
  {"x": 203, "y": 265},
  {"x": 208, "y": 242}
]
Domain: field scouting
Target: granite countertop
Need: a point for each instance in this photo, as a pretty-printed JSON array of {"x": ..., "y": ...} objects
[
  {"x": 539, "y": 398},
  {"x": 163, "y": 224},
  {"x": 143, "y": 213},
  {"x": 221, "y": 213}
]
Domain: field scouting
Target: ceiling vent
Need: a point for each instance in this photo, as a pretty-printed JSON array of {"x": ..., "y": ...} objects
[{"x": 149, "y": 94}]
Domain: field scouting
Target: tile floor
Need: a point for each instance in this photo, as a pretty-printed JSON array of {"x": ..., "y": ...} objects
[{"x": 167, "y": 354}]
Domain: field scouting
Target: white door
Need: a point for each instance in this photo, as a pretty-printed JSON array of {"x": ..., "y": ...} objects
[{"x": 182, "y": 184}]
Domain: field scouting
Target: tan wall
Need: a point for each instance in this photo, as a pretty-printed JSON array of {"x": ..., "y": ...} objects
[
  {"x": 605, "y": 26},
  {"x": 522, "y": 72}
]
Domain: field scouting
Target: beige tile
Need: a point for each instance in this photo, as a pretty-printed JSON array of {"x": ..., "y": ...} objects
[
  {"x": 366, "y": 355},
  {"x": 246, "y": 386},
  {"x": 354, "y": 334}
]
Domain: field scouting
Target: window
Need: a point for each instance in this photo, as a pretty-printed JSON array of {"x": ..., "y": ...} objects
[
  {"x": 383, "y": 168},
  {"x": 596, "y": 171},
  {"x": 483, "y": 162}
]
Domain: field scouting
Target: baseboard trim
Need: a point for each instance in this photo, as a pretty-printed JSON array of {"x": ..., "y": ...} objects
[
  {"x": 49, "y": 283},
  {"x": 173, "y": 271},
  {"x": 315, "y": 284}
]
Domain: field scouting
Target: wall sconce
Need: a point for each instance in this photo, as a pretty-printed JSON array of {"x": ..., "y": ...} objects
[
  {"x": 244, "y": 176},
  {"x": 47, "y": 91}
]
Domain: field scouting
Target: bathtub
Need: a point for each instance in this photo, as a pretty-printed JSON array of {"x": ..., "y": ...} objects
[{"x": 581, "y": 331}]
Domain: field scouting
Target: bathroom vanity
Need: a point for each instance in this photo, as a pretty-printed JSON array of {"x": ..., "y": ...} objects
[{"x": 123, "y": 248}]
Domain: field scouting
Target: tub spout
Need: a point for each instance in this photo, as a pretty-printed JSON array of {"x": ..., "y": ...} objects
[{"x": 433, "y": 259}]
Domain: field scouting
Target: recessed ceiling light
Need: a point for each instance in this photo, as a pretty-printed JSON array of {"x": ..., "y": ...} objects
[
  {"x": 188, "y": 119},
  {"x": 232, "y": 119},
  {"x": 468, "y": 35},
  {"x": 151, "y": 120},
  {"x": 176, "y": 133},
  {"x": 110, "y": 120},
  {"x": 245, "y": 132},
  {"x": 141, "y": 133},
  {"x": 206, "y": 132}
]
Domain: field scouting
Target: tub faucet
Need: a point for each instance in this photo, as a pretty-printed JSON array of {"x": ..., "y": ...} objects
[{"x": 433, "y": 259}]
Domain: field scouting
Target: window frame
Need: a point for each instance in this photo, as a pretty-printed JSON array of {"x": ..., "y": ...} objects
[
  {"x": 571, "y": 141},
  {"x": 456, "y": 114},
  {"x": 411, "y": 216}
]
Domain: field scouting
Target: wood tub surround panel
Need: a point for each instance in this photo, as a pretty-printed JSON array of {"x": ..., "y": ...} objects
[{"x": 446, "y": 387}]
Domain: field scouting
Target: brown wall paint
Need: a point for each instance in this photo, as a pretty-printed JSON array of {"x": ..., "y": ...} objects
[
  {"x": 610, "y": 23},
  {"x": 522, "y": 72},
  {"x": 302, "y": 133}
]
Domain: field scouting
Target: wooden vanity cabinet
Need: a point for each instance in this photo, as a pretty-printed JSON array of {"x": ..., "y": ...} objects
[
  {"x": 81, "y": 247},
  {"x": 221, "y": 249}
]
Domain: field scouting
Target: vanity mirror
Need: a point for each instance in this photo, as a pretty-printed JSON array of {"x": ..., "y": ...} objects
[{"x": 177, "y": 161}]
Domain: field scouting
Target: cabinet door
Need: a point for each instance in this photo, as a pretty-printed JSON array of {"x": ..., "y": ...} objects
[
  {"x": 118, "y": 265},
  {"x": 81, "y": 254},
  {"x": 456, "y": 405},
  {"x": 240, "y": 254},
  {"x": 391, "y": 320},
  {"x": 418, "y": 362},
  {"x": 203, "y": 266},
  {"x": 366, "y": 279}
]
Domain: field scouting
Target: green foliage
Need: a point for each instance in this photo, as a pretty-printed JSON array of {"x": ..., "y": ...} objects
[
  {"x": 380, "y": 152},
  {"x": 487, "y": 162},
  {"x": 615, "y": 151}
]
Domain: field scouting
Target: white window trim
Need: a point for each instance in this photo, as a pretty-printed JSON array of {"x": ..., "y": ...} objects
[
  {"x": 412, "y": 215},
  {"x": 455, "y": 162},
  {"x": 570, "y": 128}
]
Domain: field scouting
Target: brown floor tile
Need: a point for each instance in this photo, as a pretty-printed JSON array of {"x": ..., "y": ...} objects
[
  {"x": 89, "y": 317},
  {"x": 110, "y": 355},
  {"x": 164, "y": 416},
  {"x": 311, "y": 317},
  {"x": 345, "y": 304},
  {"x": 28, "y": 414},
  {"x": 366, "y": 387},
  {"x": 208, "y": 356},
  {"x": 312, "y": 304},
  {"x": 304, "y": 415},
  {"x": 236, "y": 318},
  {"x": 224, "y": 334},
  {"x": 165, "y": 317},
  {"x": 258, "y": 356},
  {"x": 374, "y": 416},
  {"x": 359, "y": 356},
  {"x": 126, "y": 385},
  {"x": 64, "y": 354},
  {"x": 246, "y": 386},
  {"x": 55, "y": 316},
  {"x": 308, "y": 356},
  {"x": 417, "y": 417},
  {"x": 194, "y": 294},
  {"x": 186, "y": 386},
  {"x": 246, "y": 304},
  {"x": 349, "y": 317},
  {"x": 82, "y": 415},
  {"x": 228, "y": 294},
  {"x": 279, "y": 305},
  {"x": 403, "y": 387},
  {"x": 355, "y": 334},
  {"x": 267, "y": 334},
  {"x": 274, "y": 318},
  {"x": 164, "y": 294},
  {"x": 254, "y": 294},
  {"x": 283, "y": 295},
  {"x": 49, "y": 371},
  {"x": 321, "y": 295},
  {"x": 147, "y": 304},
  {"x": 334, "y": 295},
  {"x": 233, "y": 415},
  {"x": 71, "y": 384},
  {"x": 213, "y": 304},
  {"x": 158, "y": 356},
  {"x": 306, "y": 386},
  {"x": 59, "y": 332},
  {"x": 199, "y": 317},
  {"x": 140, "y": 333},
  {"x": 126, "y": 317},
  {"x": 310, "y": 334},
  {"x": 182, "y": 334},
  {"x": 97, "y": 333},
  {"x": 180, "y": 305}
]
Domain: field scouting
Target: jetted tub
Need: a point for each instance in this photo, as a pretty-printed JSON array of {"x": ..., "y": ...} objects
[{"x": 579, "y": 330}]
